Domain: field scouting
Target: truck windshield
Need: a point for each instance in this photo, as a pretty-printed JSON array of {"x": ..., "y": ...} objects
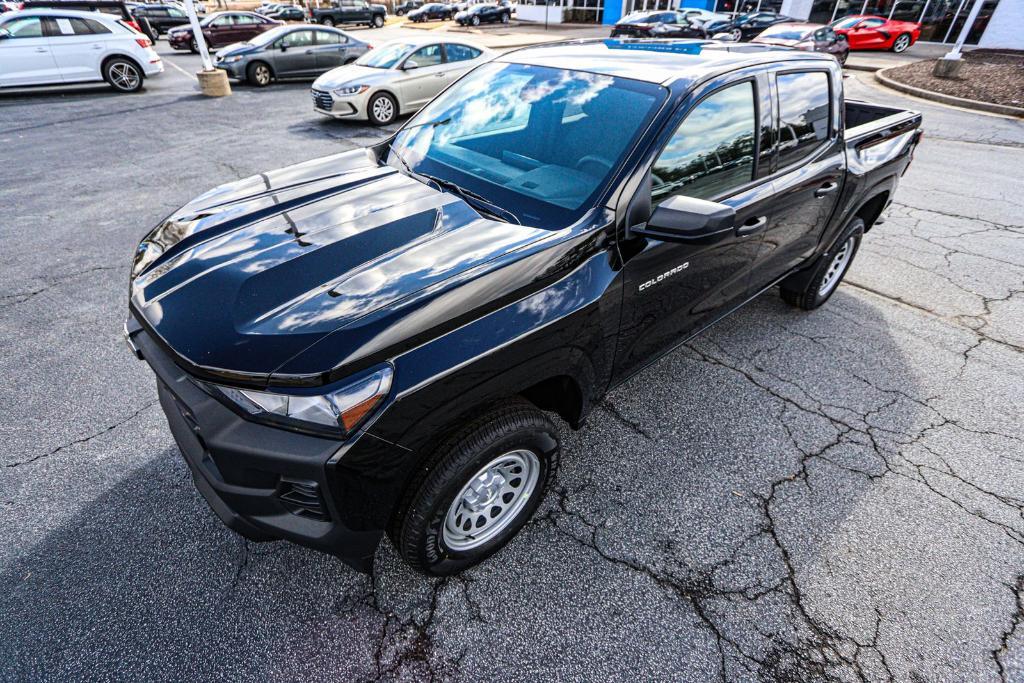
[{"x": 538, "y": 142}]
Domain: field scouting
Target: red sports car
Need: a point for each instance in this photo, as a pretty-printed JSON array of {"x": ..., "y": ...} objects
[{"x": 864, "y": 32}]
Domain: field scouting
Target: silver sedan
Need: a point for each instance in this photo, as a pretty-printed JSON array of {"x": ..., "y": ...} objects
[{"x": 397, "y": 78}]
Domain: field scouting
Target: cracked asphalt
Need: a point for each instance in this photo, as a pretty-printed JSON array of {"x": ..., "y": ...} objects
[{"x": 828, "y": 496}]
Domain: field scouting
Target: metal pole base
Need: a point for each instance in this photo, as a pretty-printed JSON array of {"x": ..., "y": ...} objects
[
  {"x": 947, "y": 68},
  {"x": 214, "y": 83}
]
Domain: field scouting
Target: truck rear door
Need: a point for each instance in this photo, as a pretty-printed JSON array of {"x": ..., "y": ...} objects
[{"x": 809, "y": 163}]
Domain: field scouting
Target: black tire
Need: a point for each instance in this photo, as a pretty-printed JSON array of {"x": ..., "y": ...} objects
[
  {"x": 418, "y": 528},
  {"x": 806, "y": 289},
  {"x": 843, "y": 57},
  {"x": 475, "y": 20},
  {"x": 123, "y": 74},
  {"x": 504, "y": 18},
  {"x": 193, "y": 47},
  {"x": 380, "y": 118},
  {"x": 328, "y": 21},
  {"x": 259, "y": 74},
  {"x": 901, "y": 43},
  {"x": 399, "y": 12},
  {"x": 378, "y": 21}
]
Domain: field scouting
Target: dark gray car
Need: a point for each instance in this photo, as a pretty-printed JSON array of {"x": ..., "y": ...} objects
[{"x": 292, "y": 51}]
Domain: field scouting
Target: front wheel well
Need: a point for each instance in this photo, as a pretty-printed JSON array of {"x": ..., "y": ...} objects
[
  {"x": 561, "y": 395},
  {"x": 872, "y": 209}
]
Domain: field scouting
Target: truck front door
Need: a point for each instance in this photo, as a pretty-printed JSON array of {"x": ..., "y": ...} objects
[{"x": 672, "y": 289}]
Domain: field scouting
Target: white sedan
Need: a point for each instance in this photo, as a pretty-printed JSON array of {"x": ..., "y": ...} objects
[
  {"x": 53, "y": 46},
  {"x": 397, "y": 78}
]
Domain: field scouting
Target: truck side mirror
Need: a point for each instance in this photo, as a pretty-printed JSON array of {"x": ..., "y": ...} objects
[{"x": 689, "y": 220}]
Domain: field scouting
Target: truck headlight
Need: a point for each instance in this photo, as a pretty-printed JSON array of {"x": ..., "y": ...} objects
[
  {"x": 347, "y": 90},
  {"x": 337, "y": 413}
]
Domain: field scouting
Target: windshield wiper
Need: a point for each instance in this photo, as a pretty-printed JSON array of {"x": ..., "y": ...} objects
[
  {"x": 435, "y": 123},
  {"x": 468, "y": 196},
  {"x": 474, "y": 199}
]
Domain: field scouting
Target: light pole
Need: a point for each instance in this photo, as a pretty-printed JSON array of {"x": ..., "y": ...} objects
[
  {"x": 213, "y": 82},
  {"x": 949, "y": 65}
]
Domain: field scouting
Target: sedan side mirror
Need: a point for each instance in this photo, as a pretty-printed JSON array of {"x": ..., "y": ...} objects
[
  {"x": 409, "y": 64},
  {"x": 4, "y": 34},
  {"x": 284, "y": 47},
  {"x": 689, "y": 220}
]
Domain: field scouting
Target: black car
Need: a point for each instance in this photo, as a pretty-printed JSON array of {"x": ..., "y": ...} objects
[
  {"x": 407, "y": 6},
  {"x": 161, "y": 17},
  {"x": 661, "y": 24},
  {"x": 484, "y": 14},
  {"x": 747, "y": 26},
  {"x": 374, "y": 342},
  {"x": 434, "y": 11},
  {"x": 288, "y": 13}
]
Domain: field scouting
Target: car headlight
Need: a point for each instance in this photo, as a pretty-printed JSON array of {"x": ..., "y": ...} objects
[
  {"x": 346, "y": 90},
  {"x": 231, "y": 60},
  {"x": 337, "y": 413}
]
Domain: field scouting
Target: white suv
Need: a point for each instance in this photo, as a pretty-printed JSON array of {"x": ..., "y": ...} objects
[{"x": 50, "y": 46}]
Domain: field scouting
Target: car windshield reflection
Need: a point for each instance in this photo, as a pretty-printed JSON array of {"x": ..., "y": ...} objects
[{"x": 537, "y": 141}]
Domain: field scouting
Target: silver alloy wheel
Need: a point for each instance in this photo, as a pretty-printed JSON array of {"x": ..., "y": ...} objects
[
  {"x": 837, "y": 267},
  {"x": 328, "y": 22},
  {"x": 124, "y": 76},
  {"x": 902, "y": 43},
  {"x": 262, "y": 74},
  {"x": 383, "y": 110},
  {"x": 737, "y": 34},
  {"x": 378, "y": 21},
  {"x": 491, "y": 500}
]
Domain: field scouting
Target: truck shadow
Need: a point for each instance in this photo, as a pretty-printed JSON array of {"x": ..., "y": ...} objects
[{"x": 684, "y": 475}]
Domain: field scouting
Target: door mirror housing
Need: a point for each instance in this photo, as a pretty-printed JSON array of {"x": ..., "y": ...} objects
[
  {"x": 409, "y": 64},
  {"x": 283, "y": 47},
  {"x": 4, "y": 34},
  {"x": 689, "y": 220}
]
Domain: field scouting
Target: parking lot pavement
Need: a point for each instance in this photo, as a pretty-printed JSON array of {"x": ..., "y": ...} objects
[{"x": 833, "y": 495}]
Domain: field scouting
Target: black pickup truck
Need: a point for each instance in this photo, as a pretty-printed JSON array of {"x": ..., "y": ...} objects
[
  {"x": 372, "y": 342},
  {"x": 351, "y": 12}
]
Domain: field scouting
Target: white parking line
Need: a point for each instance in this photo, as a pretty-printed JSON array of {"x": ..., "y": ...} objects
[{"x": 190, "y": 75}]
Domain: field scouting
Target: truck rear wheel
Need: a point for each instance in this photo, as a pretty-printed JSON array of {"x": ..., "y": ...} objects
[
  {"x": 378, "y": 21},
  {"x": 477, "y": 489},
  {"x": 827, "y": 272},
  {"x": 328, "y": 21}
]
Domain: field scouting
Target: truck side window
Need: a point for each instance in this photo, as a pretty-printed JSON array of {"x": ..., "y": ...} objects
[
  {"x": 804, "y": 115},
  {"x": 712, "y": 151}
]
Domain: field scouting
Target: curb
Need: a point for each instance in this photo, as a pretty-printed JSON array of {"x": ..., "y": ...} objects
[
  {"x": 861, "y": 67},
  {"x": 990, "y": 107}
]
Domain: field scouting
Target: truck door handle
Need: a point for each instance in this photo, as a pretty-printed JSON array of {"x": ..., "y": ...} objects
[
  {"x": 827, "y": 188},
  {"x": 752, "y": 225}
]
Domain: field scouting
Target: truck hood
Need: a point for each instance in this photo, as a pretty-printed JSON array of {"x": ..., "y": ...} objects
[{"x": 247, "y": 276}]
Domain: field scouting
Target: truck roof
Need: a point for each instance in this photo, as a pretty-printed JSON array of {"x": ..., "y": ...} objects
[{"x": 658, "y": 61}]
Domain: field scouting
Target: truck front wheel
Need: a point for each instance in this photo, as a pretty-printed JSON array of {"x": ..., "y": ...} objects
[
  {"x": 827, "y": 272},
  {"x": 477, "y": 489},
  {"x": 378, "y": 21},
  {"x": 328, "y": 21}
]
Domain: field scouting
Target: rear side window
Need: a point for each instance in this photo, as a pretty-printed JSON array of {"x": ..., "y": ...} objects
[
  {"x": 329, "y": 38},
  {"x": 712, "y": 151},
  {"x": 460, "y": 53},
  {"x": 804, "y": 114}
]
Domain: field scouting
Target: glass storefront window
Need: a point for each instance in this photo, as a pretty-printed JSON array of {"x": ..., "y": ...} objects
[{"x": 941, "y": 20}]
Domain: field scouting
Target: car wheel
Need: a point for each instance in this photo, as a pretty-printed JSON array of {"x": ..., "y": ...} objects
[
  {"x": 477, "y": 489},
  {"x": 328, "y": 21},
  {"x": 193, "y": 47},
  {"x": 378, "y": 21},
  {"x": 901, "y": 43},
  {"x": 843, "y": 57},
  {"x": 826, "y": 273},
  {"x": 736, "y": 34},
  {"x": 382, "y": 109},
  {"x": 123, "y": 75},
  {"x": 399, "y": 12},
  {"x": 504, "y": 18},
  {"x": 258, "y": 74},
  {"x": 475, "y": 21}
]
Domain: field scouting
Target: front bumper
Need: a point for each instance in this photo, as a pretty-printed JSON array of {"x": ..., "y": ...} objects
[
  {"x": 179, "y": 42},
  {"x": 351, "y": 107},
  {"x": 234, "y": 70},
  {"x": 263, "y": 482}
]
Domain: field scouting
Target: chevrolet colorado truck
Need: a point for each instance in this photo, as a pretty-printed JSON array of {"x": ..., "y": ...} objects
[{"x": 375, "y": 342}]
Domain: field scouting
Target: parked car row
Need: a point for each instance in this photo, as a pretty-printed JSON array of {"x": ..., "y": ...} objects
[
  {"x": 220, "y": 29},
  {"x": 358, "y": 12}
]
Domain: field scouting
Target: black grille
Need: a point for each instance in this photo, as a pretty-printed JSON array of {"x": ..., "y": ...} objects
[
  {"x": 302, "y": 498},
  {"x": 323, "y": 100}
]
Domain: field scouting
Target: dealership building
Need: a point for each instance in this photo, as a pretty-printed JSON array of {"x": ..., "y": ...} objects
[{"x": 1000, "y": 23}]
